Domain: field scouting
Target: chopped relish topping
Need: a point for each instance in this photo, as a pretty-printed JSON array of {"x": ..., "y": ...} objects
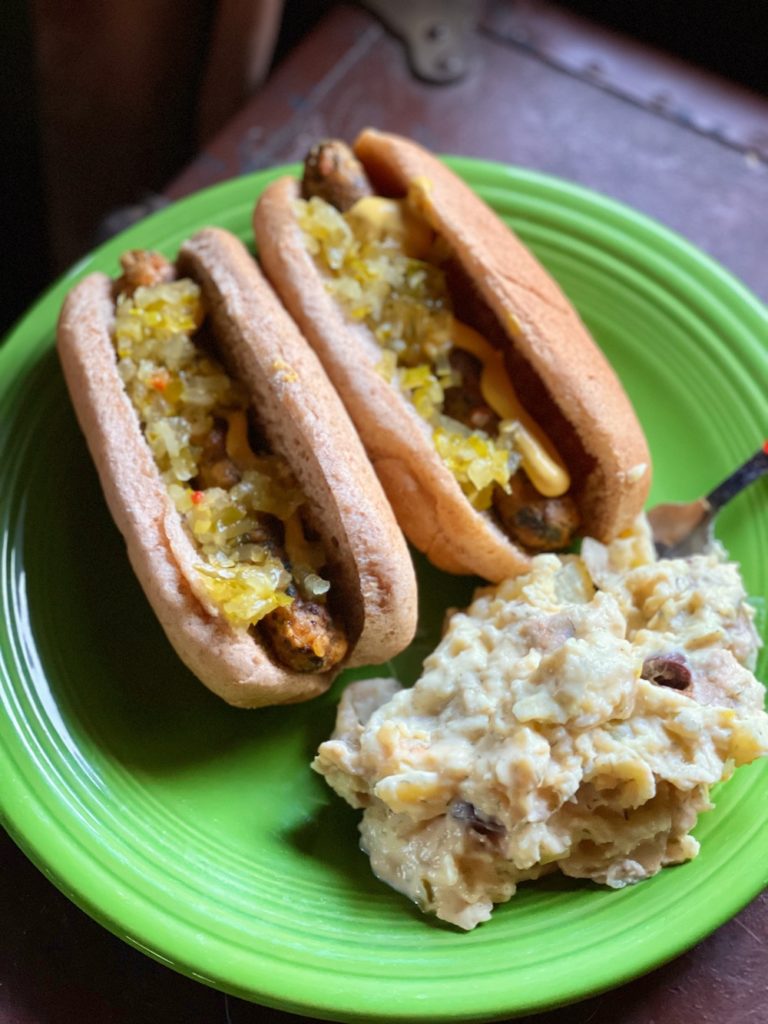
[
  {"x": 476, "y": 461},
  {"x": 405, "y": 302},
  {"x": 183, "y": 396}
]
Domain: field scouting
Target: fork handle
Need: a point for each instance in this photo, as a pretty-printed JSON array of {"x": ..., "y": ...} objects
[{"x": 750, "y": 471}]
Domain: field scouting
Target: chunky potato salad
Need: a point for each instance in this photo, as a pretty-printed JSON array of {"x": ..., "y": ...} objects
[{"x": 573, "y": 718}]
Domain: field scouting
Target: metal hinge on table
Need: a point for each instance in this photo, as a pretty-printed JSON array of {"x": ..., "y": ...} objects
[{"x": 437, "y": 34}]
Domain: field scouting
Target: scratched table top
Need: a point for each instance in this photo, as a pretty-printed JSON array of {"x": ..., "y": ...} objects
[{"x": 541, "y": 90}]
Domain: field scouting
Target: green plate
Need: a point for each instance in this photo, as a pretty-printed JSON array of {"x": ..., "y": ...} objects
[{"x": 196, "y": 831}]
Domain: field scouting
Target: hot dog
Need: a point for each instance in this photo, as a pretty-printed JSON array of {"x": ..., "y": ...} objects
[
  {"x": 494, "y": 422},
  {"x": 251, "y": 514}
]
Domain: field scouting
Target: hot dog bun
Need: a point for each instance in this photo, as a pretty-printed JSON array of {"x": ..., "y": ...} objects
[
  {"x": 303, "y": 420},
  {"x": 561, "y": 377}
]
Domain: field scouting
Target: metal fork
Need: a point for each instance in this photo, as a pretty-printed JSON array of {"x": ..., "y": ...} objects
[{"x": 688, "y": 528}]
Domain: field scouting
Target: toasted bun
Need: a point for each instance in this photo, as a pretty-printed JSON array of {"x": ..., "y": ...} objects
[
  {"x": 302, "y": 419},
  {"x": 561, "y": 376}
]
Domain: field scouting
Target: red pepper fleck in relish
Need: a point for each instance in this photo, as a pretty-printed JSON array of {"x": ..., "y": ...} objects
[{"x": 197, "y": 497}]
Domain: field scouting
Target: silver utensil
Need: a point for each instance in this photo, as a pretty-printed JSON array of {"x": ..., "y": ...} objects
[{"x": 688, "y": 528}]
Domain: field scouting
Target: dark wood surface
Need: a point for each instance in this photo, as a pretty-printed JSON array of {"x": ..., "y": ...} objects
[
  {"x": 532, "y": 97},
  {"x": 516, "y": 106}
]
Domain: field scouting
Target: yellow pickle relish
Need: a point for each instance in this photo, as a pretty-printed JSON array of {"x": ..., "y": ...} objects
[
  {"x": 375, "y": 261},
  {"x": 194, "y": 417}
]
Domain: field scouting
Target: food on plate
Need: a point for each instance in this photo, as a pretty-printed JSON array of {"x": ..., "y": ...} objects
[
  {"x": 251, "y": 514},
  {"x": 494, "y": 422},
  {"x": 573, "y": 718}
]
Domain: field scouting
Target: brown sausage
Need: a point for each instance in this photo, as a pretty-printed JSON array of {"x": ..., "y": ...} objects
[
  {"x": 538, "y": 523},
  {"x": 142, "y": 268},
  {"x": 333, "y": 173},
  {"x": 304, "y": 637}
]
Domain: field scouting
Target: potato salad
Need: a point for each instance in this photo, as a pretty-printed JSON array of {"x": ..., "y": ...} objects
[{"x": 572, "y": 719}]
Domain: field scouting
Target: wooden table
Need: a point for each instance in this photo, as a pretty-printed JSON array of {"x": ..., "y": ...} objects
[{"x": 544, "y": 91}]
